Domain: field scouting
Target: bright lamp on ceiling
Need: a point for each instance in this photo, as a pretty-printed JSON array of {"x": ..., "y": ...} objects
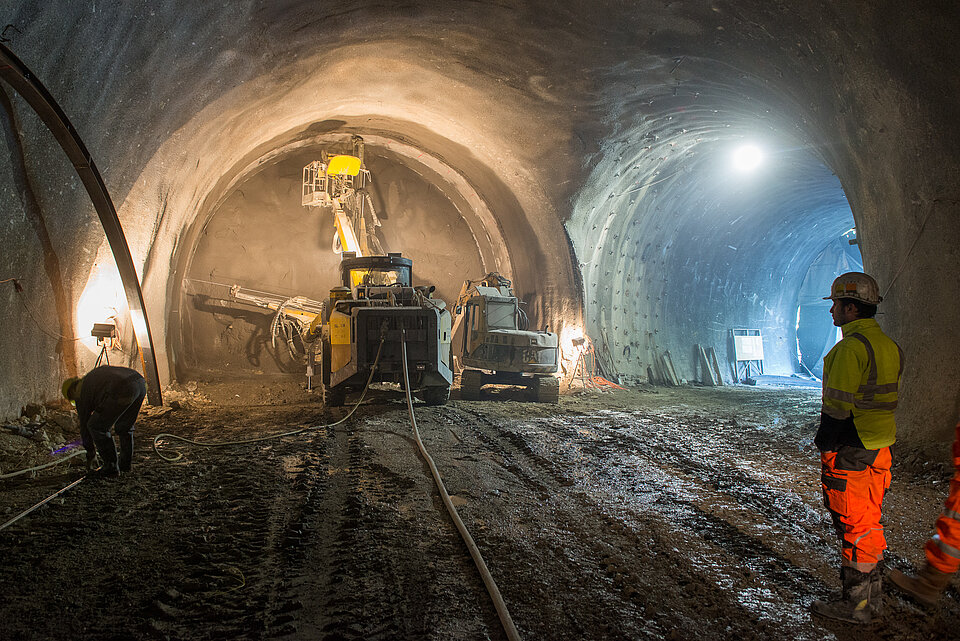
[{"x": 747, "y": 158}]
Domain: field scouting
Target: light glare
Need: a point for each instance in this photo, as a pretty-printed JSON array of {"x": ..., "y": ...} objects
[
  {"x": 747, "y": 158},
  {"x": 102, "y": 299}
]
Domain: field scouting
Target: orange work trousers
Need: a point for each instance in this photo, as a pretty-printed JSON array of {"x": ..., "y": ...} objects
[
  {"x": 854, "y": 481},
  {"x": 943, "y": 550}
]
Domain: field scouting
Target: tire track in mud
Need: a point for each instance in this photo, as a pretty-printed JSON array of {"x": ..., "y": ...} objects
[
  {"x": 521, "y": 451},
  {"x": 532, "y": 565},
  {"x": 724, "y": 539},
  {"x": 229, "y": 556},
  {"x": 374, "y": 567},
  {"x": 328, "y": 551},
  {"x": 720, "y": 506},
  {"x": 714, "y": 490}
]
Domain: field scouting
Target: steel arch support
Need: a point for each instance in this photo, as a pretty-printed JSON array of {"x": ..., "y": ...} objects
[{"x": 16, "y": 74}]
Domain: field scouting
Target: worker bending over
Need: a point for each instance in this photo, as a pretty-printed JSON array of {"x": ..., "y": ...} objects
[
  {"x": 943, "y": 550},
  {"x": 861, "y": 375},
  {"x": 107, "y": 397}
]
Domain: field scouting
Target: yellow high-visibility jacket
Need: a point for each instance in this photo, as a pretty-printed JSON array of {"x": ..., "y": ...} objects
[{"x": 861, "y": 377}]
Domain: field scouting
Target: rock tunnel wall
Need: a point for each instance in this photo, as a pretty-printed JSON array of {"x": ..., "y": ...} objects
[{"x": 603, "y": 116}]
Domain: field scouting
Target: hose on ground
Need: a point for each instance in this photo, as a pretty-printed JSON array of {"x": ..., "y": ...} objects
[
  {"x": 158, "y": 437},
  {"x": 505, "y": 619},
  {"x": 44, "y": 466},
  {"x": 44, "y": 501}
]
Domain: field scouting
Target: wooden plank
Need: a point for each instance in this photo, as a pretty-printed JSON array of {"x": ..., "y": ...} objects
[
  {"x": 660, "y": 368},
  {"x": 664, "y": 372},
  {"x": 712, "y": 353},
  {"x": 706, "y": 369},
  {"x": 668, "y": 361}
]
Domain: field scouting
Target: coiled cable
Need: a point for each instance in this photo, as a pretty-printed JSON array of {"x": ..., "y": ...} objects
[{"x": 373, "y": 369}]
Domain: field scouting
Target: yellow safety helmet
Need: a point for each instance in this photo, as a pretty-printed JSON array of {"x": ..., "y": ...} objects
[
  {"x": 67, "y": 384},
  {"x": 857, "y": 286}
]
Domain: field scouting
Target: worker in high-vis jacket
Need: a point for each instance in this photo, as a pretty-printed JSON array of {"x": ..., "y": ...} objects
[
  {"x": 107, "y": 399},
  {"x": 861, "y": 377},
  {"x": 943, "y": 550}
]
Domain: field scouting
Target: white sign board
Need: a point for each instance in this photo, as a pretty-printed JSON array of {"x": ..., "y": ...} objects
[{"x": 748, "y": 348}]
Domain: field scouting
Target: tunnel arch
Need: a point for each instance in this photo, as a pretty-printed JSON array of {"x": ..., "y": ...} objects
[
  {"x": 436, "y": 198},
  {"x": 678, "y": 248},
  {"x": 463, "y": 147}
]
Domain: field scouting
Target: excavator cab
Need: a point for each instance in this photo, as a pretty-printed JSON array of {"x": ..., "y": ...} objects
[{"x": 493, "y": 344}]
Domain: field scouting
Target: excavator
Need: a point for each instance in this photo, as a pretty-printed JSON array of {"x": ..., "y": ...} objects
[
  {"x": 358, "y": 330},
  {"x": 493, "y": 345}
]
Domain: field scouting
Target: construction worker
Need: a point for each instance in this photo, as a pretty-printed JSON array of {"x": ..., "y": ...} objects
[
  {"x": 861, "y": 375},
  {"x": 107, "y": 397},
  {"x": 943, "y": 550}
]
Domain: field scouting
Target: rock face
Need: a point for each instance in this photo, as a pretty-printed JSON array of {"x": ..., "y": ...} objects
[{"x": 582, "y": 149}]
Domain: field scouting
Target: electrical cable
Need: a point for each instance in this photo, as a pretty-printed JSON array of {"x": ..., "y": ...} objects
[
  {"x": 44, "y": 466},
  {"x": 33, "y": 317},
  {"x": 103, "y": 356},
  {"x": 373, "y": 369},
  {"x": 907, "y": 255},
  {"x": 41, "y": 503},
  {"x": 505, "y": 619}
]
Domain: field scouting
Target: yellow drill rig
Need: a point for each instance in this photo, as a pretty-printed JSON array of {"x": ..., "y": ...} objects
[{"x": 359, "y": 329}]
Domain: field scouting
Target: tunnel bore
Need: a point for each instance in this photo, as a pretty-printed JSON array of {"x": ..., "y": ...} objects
[
  {"x": 626, "y": 78},
  {"x": 702, "y": 249},
  {"x": 260, "y": 237}
]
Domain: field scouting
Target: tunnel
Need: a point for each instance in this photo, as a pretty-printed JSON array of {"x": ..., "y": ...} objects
[
  {"x": 598, "y": 175},
  {"x": 656, "y": 177},
  {"x": 658, "y": 180}
]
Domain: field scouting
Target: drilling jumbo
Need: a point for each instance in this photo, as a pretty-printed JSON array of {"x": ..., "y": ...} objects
[
  {"x": 493, "y": 344},
  {"x": 368, "y": 316},
  {"x": 357, "y": 335}
]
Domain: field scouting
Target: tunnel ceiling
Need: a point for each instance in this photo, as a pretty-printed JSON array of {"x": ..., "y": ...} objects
[{"x": 582, "y": 142}]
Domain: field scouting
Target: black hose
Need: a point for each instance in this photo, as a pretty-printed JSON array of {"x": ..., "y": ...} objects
[{"x": 505, "y": 619}]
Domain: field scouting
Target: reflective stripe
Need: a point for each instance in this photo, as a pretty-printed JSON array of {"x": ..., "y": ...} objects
[
  {"x": 870, "y": 388},
  {"x": 889, "y": 388},
  {"x": 875, "y": 405},
  {"x": 872, "y": 360},
  {"x": 949, "y": 550},
  {"x": 866, "y": 565},
  {"x": 840, "y": 395},
  {"x": 950, "y": 514},
  {"x": 873, "y": 529},
  {"x": 835, "y": 412}
]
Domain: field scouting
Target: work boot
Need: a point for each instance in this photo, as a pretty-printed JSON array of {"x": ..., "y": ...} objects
[
  {"x": 926, "y": 587},
  {"x": 126, "y": 451},
  {"x": 854, "y": 604},
  {"x": 107, "y": 450}
]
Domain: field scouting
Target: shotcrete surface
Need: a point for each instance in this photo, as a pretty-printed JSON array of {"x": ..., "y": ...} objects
[{"x": 661, "y": 513}]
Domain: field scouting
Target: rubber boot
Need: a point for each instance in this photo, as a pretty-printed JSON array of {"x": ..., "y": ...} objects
[
  {"x": 926, "y": 587},
  {"x": 107, "y": 450},
  {"x": 876, "y": 590},
  {"x": 854, "y": 604},
  {"x": 126, "y": 451}
]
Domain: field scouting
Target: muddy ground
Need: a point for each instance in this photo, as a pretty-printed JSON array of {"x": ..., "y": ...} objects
[{"x": 667, "y": 513}]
